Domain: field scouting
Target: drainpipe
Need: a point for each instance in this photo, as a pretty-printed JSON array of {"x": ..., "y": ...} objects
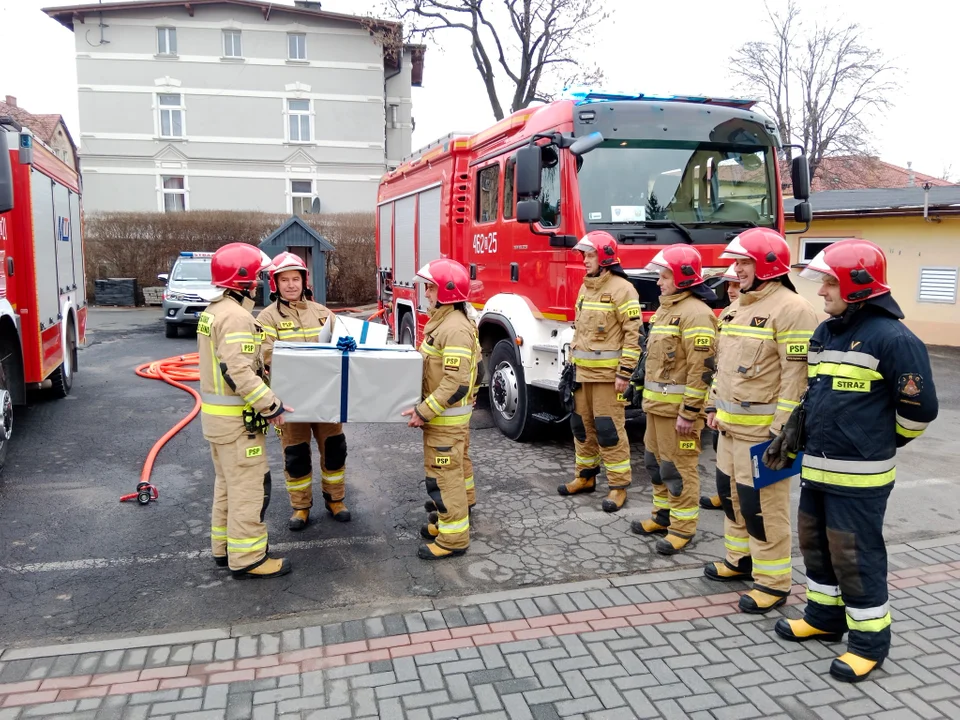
[{"x": 926, "y": 205}]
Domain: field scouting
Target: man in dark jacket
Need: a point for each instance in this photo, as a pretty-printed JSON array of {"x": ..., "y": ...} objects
[{"x": 870, "y": 391}]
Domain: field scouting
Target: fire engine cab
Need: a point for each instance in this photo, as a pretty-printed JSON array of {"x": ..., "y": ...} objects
[
  {"x": 43, "y": 307},
  {"x": 510, "y": 202}
]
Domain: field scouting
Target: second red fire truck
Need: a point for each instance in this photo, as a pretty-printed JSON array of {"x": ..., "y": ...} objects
[
  {"x": 43, "y": 306},
  {"x": 510, "y": 202}
]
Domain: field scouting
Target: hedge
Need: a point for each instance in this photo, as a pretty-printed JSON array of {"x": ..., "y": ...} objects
[{"x": 142, "y": 245}]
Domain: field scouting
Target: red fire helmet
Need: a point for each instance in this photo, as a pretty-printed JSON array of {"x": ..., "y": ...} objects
[
  {"x": 683, "y": 261},
  {"x": 858, "y": 265},
  {"x": 766, "y": 247},
  {"x": 603, "y": 243},
  {"x": 237, "y": 266},
  {"x": 450, "y": 277}
]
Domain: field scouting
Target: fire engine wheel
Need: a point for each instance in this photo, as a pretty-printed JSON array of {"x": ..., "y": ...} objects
[
  {"x": 6, "y": 416},
  {"x": 509, "y": 400},
  {"x": 408, "y": 330},
  {"x": 62, "y": 377}
]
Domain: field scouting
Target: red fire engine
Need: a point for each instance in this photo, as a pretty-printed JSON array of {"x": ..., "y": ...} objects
[
  {"x": 43, "y": 308},
  {"x": 510, "y": 202}
]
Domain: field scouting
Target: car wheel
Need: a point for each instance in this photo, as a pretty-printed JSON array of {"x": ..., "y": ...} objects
[
  {"x": 171, "y": 330},
  {"x": 408, "y": 330}
]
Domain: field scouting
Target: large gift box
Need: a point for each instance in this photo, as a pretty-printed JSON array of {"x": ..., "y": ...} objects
[
  {"x": 364, "y": 333},
  {"x": 346, "y": 382}
]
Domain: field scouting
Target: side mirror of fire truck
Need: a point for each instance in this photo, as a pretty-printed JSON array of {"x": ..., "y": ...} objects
[
  {"x": 6, "y": 174},
  {"x": 800, "y": 177},
  {"x": 583, "y": 145},
  {"x": 529, "y": 168}
]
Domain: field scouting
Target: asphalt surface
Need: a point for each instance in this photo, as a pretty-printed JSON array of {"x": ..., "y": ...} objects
[{"x": 77, "y": 564}]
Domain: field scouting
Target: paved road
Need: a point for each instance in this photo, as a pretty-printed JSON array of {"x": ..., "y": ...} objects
[
  {"x": 76, "y": 564},
  {"x": 657, "y": 645}
]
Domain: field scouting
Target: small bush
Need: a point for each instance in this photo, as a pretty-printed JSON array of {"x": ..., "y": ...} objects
[{"x": 142, "y": 245}]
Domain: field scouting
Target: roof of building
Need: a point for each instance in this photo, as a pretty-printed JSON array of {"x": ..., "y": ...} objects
[
  {"x": 851, "y": 172},
  {"x": 881, "y": 201},
  {"x": 68, "y": 15},
  {"x": 43, "y": 127}
]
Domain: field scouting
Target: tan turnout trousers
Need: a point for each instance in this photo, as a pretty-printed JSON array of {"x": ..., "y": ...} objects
[
  {"x": 599, "y": 434},
  {"x": 672, "y": 462},
  {"x": 298, "y": 468}
]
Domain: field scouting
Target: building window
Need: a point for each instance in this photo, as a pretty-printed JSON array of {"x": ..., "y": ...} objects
[
  {"x": 938, "y": 285},
  {"x": 297, "y": 46},
  {"x": 166, "y": 41},
  {"x": 298, "y": 112},
  {"x": 174, "y": 194},
  {"x": 231, "y": 44},
  {"x": 488, "y": 193},
  {"x": 302, "y": 193},
  {"x": 171, "y": 116},
  {"x": 810, "y": 247}
]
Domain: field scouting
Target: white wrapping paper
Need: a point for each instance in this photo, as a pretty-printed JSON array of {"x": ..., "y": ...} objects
[
  {"x": 378, "y": 385},
  {"x": 364, "y": 333}
]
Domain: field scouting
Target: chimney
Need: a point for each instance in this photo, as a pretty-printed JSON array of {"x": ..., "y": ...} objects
[
  {"x": 11, "y": 101},
  {"x": 912, "y": 178},
  {"x": 307, "y": 4}
]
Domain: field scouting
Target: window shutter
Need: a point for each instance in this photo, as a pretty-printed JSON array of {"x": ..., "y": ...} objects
[{"x": 938, "y": 285}]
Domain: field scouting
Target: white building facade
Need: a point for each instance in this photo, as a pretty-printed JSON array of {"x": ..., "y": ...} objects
[{"x": 237, "y": 105}]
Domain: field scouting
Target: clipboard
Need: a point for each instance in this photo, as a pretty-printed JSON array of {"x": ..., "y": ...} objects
[{"x": 764, "y": 476}]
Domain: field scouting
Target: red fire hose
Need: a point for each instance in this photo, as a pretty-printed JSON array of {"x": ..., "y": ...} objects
[{"x": 174, "y": 371}]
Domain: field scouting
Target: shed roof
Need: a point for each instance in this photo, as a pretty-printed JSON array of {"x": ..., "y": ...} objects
[
  {"x": 883, "y": 201},
  {"x": 296, "y": 233}
]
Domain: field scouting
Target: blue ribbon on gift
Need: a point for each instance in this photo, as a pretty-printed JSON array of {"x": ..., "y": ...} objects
[{"x": 345, "y": 345}]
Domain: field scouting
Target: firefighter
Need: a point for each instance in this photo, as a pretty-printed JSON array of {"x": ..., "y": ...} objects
[
  {"x": 680, "y": 364},
  {"x": 605, "y": 352},
  {"x": 708, "y": 502},
  {"x": 236, "y": 407},
  {"x": 450, "y": 351},
  {"x": 760, "y": 376},
  {"x": 870, "y": 392},
  {"x": 294, "y": 317}
]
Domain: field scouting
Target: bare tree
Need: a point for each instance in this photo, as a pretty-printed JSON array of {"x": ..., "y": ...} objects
[
  {"x": 533, "y": 43},
  {"x": 947, "y": 173},
  {"x": 822, "y": 83}
]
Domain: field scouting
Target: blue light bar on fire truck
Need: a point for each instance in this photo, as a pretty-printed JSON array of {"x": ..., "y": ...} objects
[
  {"x": 196, "y": 254},
  {"x": 584, "y": 95}
]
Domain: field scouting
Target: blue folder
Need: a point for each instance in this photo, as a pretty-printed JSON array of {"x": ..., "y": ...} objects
[{"x": 762, "y": 475}]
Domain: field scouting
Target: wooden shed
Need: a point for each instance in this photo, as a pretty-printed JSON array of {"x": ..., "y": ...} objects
[{"x": 296, "y": 237}]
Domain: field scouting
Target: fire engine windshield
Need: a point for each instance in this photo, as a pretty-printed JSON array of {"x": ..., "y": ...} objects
[
  {"x": 193, "y": 270},
  {"x": 689, "y": 183}
]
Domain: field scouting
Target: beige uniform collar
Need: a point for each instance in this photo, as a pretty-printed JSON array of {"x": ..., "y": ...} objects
[
  {"x": 595, "y": 283},
  {"x": 765, "y": 290},
  {"x": 667, "y": 301}
]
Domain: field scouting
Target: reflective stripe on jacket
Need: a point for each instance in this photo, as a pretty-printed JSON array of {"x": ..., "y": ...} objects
[
  {"x": 761, "y": 370},
  {"x": 870, "y": 391},
  {"x": 229, "y": 343},
  {"x": 606, "y": 331},
  {"x": 451, "y": 353},
  {"x": 680, "y": 357}
]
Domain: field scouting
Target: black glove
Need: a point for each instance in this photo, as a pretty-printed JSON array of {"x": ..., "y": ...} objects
[
  {"x": 635, "y": 386},
  {"x": 787, "y": 445},
  {"x": 568, "y": 385}
]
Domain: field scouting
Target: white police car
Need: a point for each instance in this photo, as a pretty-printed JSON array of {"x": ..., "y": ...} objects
[{"x": 188, "y": 291}]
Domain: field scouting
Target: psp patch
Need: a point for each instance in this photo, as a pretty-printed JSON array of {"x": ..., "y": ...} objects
[
  {"x": 451, "y": 361},
  {"x": 703, "y": 343},
  {"x": 688, "y": 444},
  {"x": 254, "y": 451},
  {"x": 910, "y": 384},
  {"x": 441, "y": 460},
  {"x": 248, "y": 348},
  {"x": 797, "y": 351}
]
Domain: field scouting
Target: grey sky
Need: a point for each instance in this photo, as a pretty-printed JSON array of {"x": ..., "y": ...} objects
[{"x": 665, "y": 47}]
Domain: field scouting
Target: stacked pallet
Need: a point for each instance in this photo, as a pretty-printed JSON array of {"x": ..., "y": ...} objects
[{"x": 120, "y": 292}]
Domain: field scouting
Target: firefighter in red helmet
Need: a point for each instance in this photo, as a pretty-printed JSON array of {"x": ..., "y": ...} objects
[
  {"x": 605, "y": 352},
  {"x": 760, "y": 377},
  {"x": 870, "y": 391},
  {"x": 237, "y": 406},
  {"x": 451, "y": 353},
  {"x": 680, "y": 364},
  {"x": 294, "y": 317}
]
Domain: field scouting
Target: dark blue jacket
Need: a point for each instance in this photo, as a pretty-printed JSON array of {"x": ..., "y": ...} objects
[{"x": 870, "y": 390}]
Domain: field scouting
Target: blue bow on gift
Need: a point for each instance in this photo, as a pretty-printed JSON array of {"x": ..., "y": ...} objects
[{"x": 346, "y": 345}]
